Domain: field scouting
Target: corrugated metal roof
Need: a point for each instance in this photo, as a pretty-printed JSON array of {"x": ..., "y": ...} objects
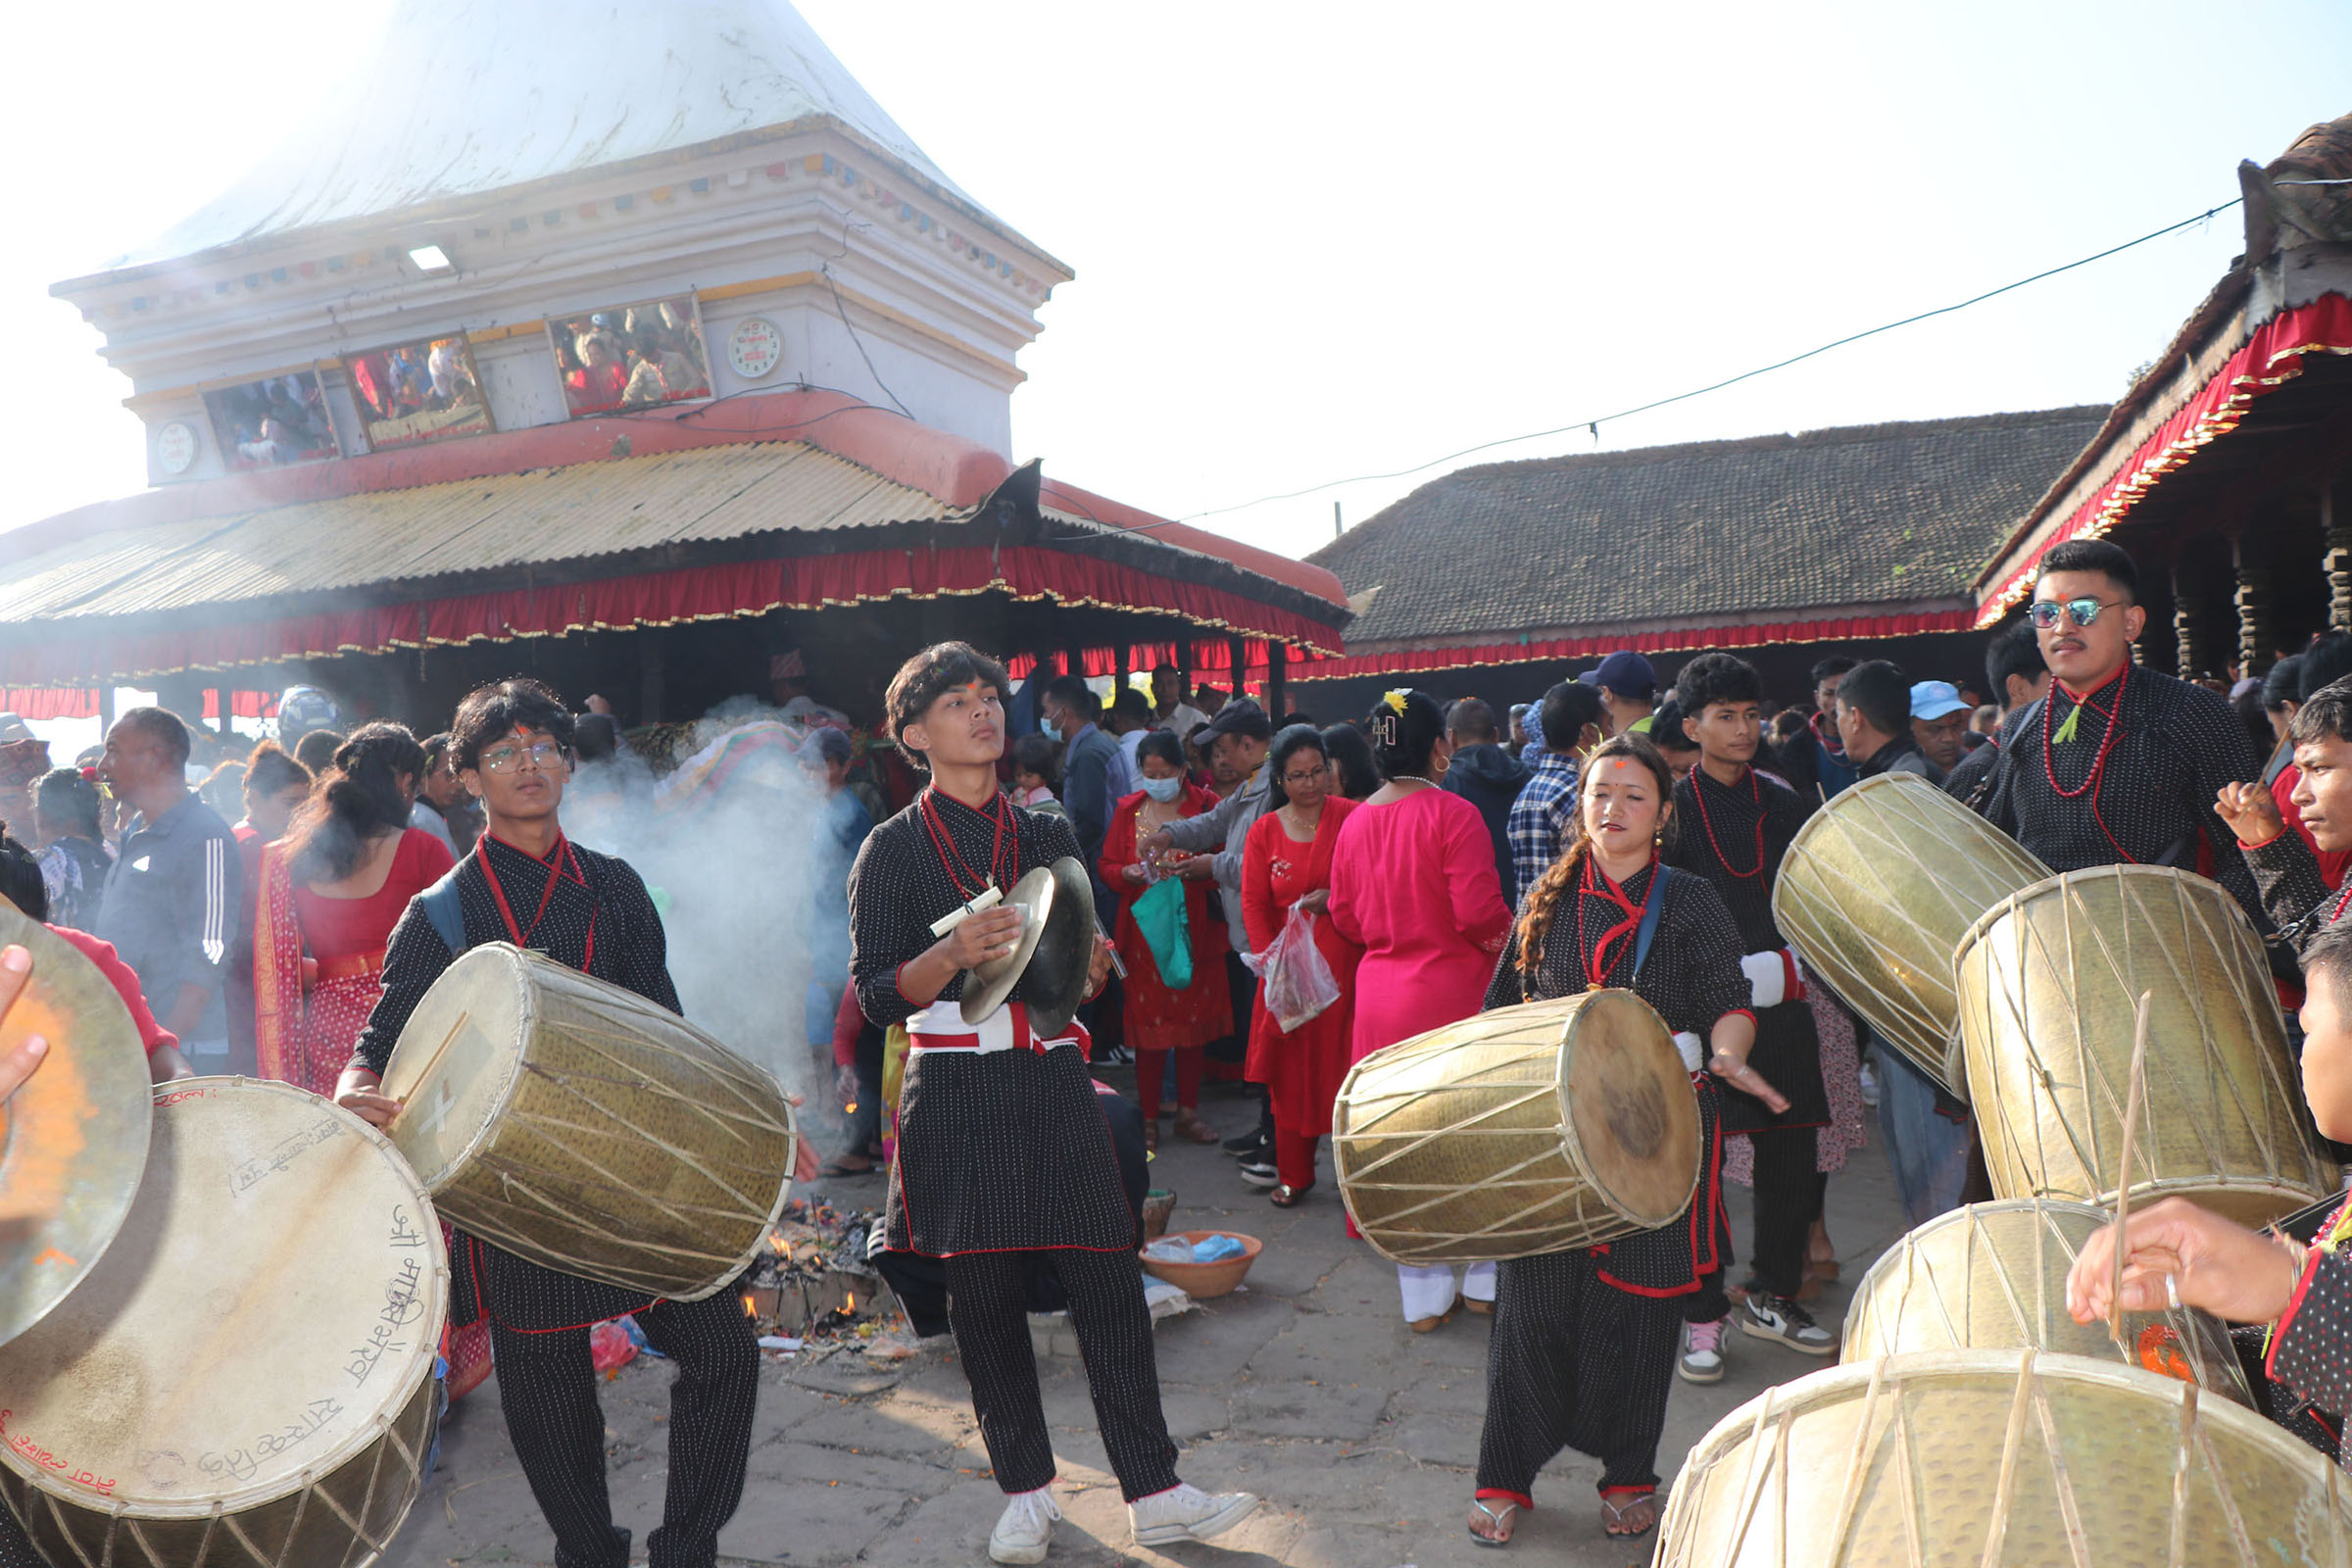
[{"x": 476, "y": 525}]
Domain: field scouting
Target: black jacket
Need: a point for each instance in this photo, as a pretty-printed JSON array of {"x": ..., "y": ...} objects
[{"x": 1491, "y": 779}]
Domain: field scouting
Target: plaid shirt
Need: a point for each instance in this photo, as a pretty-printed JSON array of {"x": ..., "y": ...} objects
[{"x": 1538, "y": 824}]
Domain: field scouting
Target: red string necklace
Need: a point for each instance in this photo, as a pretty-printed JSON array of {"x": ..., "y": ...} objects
[
  {"x": 561, "y": 861},
  {"x": 1698, "y": 791},
  {"x": 1597, "y": 963},
  {"x": 951, "y": 860},
  {"x": 2098, "y": 763}
]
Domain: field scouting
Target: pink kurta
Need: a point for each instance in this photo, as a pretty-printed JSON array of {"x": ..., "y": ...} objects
[{"x": 1413, "y": 882}]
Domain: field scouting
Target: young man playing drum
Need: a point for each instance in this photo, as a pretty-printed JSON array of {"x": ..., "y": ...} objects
[
  {"x": 2176, "y": 1252},
  {"x": 526, "y": 883},
  {"x": 2119, "y": 763},
  {"x": 2284, "y": 867},
  {"x": 1003, "y": 1157}
]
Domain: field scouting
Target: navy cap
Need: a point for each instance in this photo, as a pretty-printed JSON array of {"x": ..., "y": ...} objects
[{"x": 1624, "y": 671}]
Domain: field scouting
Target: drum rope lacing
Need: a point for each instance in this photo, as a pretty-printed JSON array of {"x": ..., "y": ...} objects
[{"x": 1698, "y": 792}]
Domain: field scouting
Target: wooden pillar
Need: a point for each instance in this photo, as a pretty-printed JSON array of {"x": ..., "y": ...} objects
[
  {"x": 2188, "y": 628},
  {"x": 1238, "y": 648},
  {"x": 2253, "y": 608},
  {"x": 2336, "y": 529},
  {"x": 1278, "y": 680},
  {"x": 1184, "y": 663},
  {"x": 222, "y": 699},
  {"x": 650, "y": 672},
  {"x": 1123, "y": 652},
  {"x": 106, "y": 706}
]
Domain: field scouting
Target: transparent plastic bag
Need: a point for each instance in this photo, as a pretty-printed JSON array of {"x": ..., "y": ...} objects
[{"x": 1294, "y": 984}]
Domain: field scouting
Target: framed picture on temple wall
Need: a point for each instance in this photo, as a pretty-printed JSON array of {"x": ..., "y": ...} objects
[
  {"x": 631, "y": 356},
  {"x": 421, "y": 391},
  {"x": 269, "y": 423}
]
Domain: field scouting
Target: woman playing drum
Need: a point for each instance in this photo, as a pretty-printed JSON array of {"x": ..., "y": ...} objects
[{"x": 1584, "y": 1343}]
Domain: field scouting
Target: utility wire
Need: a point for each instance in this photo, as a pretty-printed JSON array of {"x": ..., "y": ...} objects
[{"x": 1595, "y": 425}]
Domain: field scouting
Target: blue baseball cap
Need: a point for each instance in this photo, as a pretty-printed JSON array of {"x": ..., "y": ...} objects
[
  {"x": 1625, "y": 673},
  {"x": 1933, "y": 698}
]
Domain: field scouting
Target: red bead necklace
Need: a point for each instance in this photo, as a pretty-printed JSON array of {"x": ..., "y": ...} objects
[
  {"x": 1698, "y": 792},
  {"x": 951, "y": 860},
  {"x": 2098, "y": 763}
]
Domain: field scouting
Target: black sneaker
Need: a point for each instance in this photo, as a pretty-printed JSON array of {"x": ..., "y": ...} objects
[
  {"x": 1246, "y": 1145},
  {"x": 1782, "y": 1321},
  {"x": 1260, "y": 1173}
]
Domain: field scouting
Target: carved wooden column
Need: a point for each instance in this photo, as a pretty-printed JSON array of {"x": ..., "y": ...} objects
[
  {"x": 1238, "y": 648},
  {"x": 2253, "y": 601},
  {"x": 2188, "y": 626},
  {"x": 1278, "y": 680},
  {"x": 2336, "y": 529}
]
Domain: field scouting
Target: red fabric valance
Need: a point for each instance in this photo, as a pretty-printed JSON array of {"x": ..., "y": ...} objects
[
  {"x": 655, "y": 599},
  {"x": 2271, "y": 356},
  {"x": 1845, "y": 628}
]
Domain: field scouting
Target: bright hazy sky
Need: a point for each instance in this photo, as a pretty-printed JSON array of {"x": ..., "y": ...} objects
[{"x": 1320, "y": 240}]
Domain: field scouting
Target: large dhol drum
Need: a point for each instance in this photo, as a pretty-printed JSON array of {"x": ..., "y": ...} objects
[
  {"x": 1992, "y": 1277},
  {"x": 585, "y": 1128},
  {"x": 1876, "y": 892},
  {"x": 246, "y": 1378},
  {"x": 1526, "y": 1130},
  {"x": 2050, "y": 985},
  {"x": 2001, "y": 1459},
  {"x": 73, "y": 1139}
]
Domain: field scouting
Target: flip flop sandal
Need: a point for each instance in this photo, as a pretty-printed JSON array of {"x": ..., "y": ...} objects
[
  {"x": 1505, "y": 1521},
  {"x": 1288, "y": 1197},
  {"x": 1477, "y": 1307},
  {"x": 1425, "y": 1325},
  {"x": 1614, "y": 1514}
]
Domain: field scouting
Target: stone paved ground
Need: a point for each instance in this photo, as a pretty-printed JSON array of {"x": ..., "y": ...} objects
[{"x": 1307, "y": 1389}]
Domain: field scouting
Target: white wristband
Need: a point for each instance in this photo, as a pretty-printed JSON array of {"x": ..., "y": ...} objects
[
  {"x": 1695, "y": 1055},
  {"x": 1767, "y": 978}
]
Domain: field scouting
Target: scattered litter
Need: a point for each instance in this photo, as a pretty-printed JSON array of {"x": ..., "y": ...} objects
[
  {"x": 1170, "y": 1250},
  {"x": 778, "y": 1342},
  {"x": 1215, "y": 1249},
  {"x": 1165, "y": 1299}
]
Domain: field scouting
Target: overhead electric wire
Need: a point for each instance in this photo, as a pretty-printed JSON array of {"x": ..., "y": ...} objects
[{"x": 1595, "y": 425}]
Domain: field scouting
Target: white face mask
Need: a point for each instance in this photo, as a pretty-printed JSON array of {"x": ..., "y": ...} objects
[{"x": 1163, "y": 789}]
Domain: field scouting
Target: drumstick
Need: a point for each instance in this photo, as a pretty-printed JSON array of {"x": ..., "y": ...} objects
[
  {"x": 433, "y": 1061},
  {"x": 2123, "y": 1173}
]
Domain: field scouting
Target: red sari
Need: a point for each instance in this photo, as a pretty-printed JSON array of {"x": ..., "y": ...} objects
[
  {"x": 317, "y": 962},
  {"x": 1158, "y": 1018},
  {"x": 1302, "y": 1069}
]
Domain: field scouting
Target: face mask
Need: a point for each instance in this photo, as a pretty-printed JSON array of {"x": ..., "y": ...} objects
[
  {"x": 1046, "y": 726},
  {"x": 1163, "y": 789}
]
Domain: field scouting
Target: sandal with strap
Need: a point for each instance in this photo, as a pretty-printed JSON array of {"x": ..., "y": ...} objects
[
  {"x": 1501, "y": 1515},
  {"x": 1638, "y": 1515},
  {"x": 1288, "y": 1197}
]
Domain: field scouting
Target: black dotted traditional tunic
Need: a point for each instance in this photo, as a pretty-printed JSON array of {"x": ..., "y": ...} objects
[
  {"x": 631, "y": 951},
  {"x": 1735, "y": 836},
  {"x": 1001, "y": 1151},
  {"x": 2294, "y": 895},
  {"x": 2134, "y": 783}
]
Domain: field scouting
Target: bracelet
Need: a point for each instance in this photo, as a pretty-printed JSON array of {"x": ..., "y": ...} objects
[{"x": 2298, "y": 1258}]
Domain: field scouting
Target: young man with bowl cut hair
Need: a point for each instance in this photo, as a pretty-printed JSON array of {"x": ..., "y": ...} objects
[{"x": 1005, "y": 1159}]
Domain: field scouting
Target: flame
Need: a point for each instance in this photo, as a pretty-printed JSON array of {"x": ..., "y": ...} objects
[
  {"x": 851, "y": 1107},
  {"x": 853, "y": 1307},
  {"x": 749, "y": 1310},
  {"x": 783, "y": 1248}
]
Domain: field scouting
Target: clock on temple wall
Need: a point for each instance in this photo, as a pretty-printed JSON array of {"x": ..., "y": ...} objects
[
  {"x": 175, "y": 447},
  {"x": 755, "y": 347}
]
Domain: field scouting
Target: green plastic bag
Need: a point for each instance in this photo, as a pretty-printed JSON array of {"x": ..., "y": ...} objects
[{"x": 1159, "y": 913}]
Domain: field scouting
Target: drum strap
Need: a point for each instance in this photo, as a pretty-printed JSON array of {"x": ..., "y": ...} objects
[
  {"x": 443, "y": 912},
  {"x": 1651, "y": 908}
]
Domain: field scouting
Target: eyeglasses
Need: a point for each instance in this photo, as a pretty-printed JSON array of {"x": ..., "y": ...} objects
[
  {"x": 543, "y": 756},
  {"x": 2081, "y": 612},
  {"x": 1304, "y": 778}
]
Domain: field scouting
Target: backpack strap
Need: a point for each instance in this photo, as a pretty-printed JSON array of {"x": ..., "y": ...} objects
[
  {"x": 1653, "y": 908},
  {"x": 443, "y": 912}
]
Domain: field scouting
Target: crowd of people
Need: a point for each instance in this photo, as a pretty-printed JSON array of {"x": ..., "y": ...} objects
[{"x": 1284, "y": 900}]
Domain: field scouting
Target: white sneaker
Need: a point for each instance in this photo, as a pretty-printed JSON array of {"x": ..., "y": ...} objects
[
  {"x": 1021, "y": 1534},
  {"x": 1185, "y": 1512},
  {"x": 1702, "y": 1352},
  {"x": 1869, "y": 1084}
]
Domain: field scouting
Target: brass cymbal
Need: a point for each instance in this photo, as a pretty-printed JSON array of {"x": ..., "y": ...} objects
[{"x": 73, "y": 1140}]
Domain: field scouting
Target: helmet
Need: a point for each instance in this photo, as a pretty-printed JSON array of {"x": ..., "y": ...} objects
[{"x": 303, "y": 709}]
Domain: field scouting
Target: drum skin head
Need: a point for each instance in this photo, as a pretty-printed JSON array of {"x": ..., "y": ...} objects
[
  {"x": 1631, "y": 1109},
  {"x": 458, "y": 1060},
  {"x": 73, "y": 1140},
  {"x": 274, "y": 1300}
]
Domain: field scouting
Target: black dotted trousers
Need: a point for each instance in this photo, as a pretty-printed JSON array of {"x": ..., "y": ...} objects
[
  {"x": 988, "y": 1306},
  {"x": 547, "y": 1388}
]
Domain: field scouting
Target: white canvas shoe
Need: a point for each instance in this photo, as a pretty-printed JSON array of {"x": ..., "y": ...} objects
[
  {"x": 1185, "y": 1512},
  {"x": 1027, "y": 1525}
]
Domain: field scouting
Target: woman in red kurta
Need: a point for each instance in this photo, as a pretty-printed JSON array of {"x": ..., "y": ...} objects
[
  {"x": 1286, "y": 862},
  {"x": 1412, "y": 878},
  {"x": 1160, "y": 1019}
]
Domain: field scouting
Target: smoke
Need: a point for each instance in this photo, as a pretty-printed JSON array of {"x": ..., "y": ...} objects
[{"x": 732, "y": 844}]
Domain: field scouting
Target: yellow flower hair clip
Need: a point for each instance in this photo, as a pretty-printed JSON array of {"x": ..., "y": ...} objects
[{"x": 1396, "y": 700}]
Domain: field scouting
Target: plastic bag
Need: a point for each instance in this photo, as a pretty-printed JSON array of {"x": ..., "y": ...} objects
[
  {"x": 1294, "y": 984},
  {"x": 1160, "y": 913}
]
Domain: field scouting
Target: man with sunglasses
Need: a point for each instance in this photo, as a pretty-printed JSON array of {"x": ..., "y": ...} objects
[
  {"x": 526, "y": 883},
  {"x": 2118, "y": 763}
]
